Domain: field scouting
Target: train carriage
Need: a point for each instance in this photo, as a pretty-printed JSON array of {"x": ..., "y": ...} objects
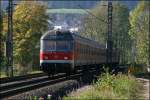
[
  {"x": 56, "y": 52},
  {"x": 64, "y": 51}
]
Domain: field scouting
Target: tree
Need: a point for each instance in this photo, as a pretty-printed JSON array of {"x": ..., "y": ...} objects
[
  {"x": 2, "y": 40},
  {"x": 95, "y": 27},
  {"x": 29, "y": 22},
  {"x": 139, "y": 32}
]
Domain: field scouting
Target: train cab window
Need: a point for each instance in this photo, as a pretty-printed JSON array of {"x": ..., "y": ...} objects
[
  {"x": 48, "y": 45},
  {"x": 63, "y": 45},
  {"x": 56, "y": 45}
]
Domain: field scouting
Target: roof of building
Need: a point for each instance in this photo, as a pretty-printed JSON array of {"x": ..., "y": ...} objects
[{"x": 66, "y": 11}]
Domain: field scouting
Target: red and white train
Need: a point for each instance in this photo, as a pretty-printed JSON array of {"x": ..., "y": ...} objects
[{"x": 64, "y": 51}]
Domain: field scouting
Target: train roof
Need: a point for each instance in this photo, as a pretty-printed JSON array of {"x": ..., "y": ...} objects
[
  {"x": 57, "y": 35},
  {"x": 87, "y": 41},
  {"x": 67, "y": 35}
]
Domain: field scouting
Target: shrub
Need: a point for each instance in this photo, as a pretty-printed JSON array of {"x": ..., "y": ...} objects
[
  {"x": 110, "y": 86},
  {"x": 122, "y": 86}
]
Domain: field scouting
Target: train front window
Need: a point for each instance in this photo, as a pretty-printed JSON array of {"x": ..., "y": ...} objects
[
  {"x": 49, "y": 45},
  {"x": 63, "y": 46},
  {"x": 57, "y": 45}
]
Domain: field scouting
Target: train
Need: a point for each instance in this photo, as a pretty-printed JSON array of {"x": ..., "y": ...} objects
[{"x": 63, "y": 51}]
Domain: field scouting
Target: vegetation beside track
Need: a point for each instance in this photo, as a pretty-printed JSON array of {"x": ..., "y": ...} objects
[
  {"x": 3, "y": 74},
  {"x": 110, "y": 87}
]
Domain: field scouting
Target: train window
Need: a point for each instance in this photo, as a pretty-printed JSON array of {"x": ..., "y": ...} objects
[
  {"x": 89, "y": 50},
  {"x": 83, "y": 50},
  {"x": 63, "y": 45},
  {"x": 56, "y": 45},
  {"x": 48, "y": 45}
]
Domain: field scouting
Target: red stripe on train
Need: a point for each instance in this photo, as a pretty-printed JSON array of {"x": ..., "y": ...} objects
[{"x": 56, "y": 55}]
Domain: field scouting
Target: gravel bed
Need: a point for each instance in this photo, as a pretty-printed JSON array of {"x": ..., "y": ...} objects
[
  {"x": 55, "y": 91},
  {"x": 80, "y": 90}
]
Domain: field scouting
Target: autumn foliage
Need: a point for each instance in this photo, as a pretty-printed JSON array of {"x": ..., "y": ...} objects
[{"x": 29, "y": 23}]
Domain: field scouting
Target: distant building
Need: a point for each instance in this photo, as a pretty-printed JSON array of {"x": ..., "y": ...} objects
[
  {"x": 69, "y": 12},
  {"x": 72, "y": 12},
  {"x": 66, "y": 17}
]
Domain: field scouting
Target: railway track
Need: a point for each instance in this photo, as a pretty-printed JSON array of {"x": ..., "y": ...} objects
[
  {"x": 18, "y": 86},
  {"x": 23, "y": 85},
  {"x": 18, "y": 78}
]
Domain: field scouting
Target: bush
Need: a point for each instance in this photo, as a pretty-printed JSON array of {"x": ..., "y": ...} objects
[
  {"x": 111, "y": 87},
  {"x": 122, "y": 86}
]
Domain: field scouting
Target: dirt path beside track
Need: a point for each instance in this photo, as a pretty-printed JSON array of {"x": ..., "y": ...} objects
[{"x": 145, "y": 91}]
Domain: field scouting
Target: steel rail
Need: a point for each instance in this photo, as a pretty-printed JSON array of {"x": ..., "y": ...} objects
[
  {"x": 24, "y": 86},
  {"x": 18, "y": 78},
  {"x": 11, "y": 85}
]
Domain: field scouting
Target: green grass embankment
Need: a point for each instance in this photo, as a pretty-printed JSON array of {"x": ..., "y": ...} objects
[
  {"x": 3, "y": 74},
  {"x": 110, "y": 87}
]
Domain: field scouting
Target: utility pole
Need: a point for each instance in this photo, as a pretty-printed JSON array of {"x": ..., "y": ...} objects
[
  {"x": 9, "y": 40},
  {"x": 109, "y": 35},
  {"x": 0, "y": 18},
  {"x": 1, "y": 27},
  {"x": 149, "y": 48}
]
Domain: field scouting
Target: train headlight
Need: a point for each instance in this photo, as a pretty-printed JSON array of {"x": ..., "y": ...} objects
[
  {"x": 65, "y": 58},
  {"x": 45, "y": 57}
]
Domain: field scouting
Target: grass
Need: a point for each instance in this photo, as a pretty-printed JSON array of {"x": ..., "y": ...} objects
[
  {"x": 110, "y": 87},
  {"x": 34, "y": 72},
  {"x": 3, "y": 74}
]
